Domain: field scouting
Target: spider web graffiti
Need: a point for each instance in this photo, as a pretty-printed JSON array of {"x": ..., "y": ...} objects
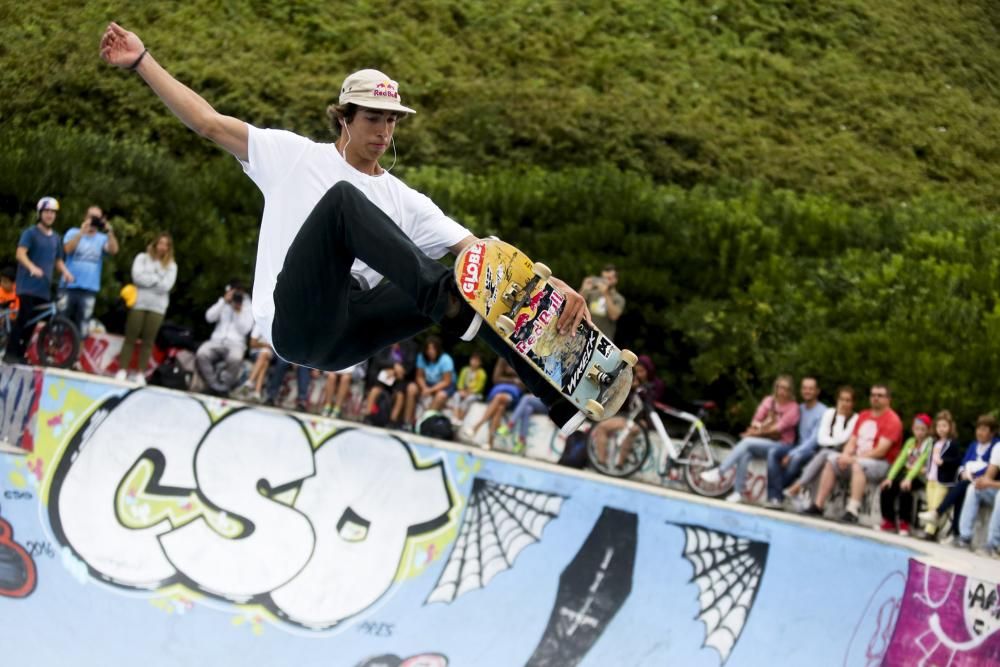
[
  {"x": 727, "y": 571},
  {"x": 500, "y": 522}
]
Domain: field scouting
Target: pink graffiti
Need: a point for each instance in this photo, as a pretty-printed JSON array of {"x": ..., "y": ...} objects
[
  {"x": 946, "y": 620},
  {"x": 56, "y": 420}
]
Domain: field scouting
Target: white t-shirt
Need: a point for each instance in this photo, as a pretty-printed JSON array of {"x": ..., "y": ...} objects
[
  {"x": 835, "y": 429},
  {"x": 293, "y": 173}
]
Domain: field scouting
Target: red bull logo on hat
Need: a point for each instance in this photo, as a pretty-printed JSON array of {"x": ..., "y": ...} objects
[{"x": 386, "y": 89}]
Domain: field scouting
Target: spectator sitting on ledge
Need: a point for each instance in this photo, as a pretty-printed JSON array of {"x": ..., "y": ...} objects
[
  {"x": 873, "y": 447},
  {"x": 774, "y": 424}
]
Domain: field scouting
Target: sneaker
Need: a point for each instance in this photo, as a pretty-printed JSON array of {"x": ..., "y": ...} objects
[
  {"x": 327, "y": 410},
  {"x": 734, "y": 497},
  {"x": 951, "y": 541},
  {"x": 503, "y": 430},
  {"x": 887, "y": 526},
  {"x": 121, "y": 375},
  {"x": 139, "y": 379},
  {"x": 711, "y": 476},
  {"x": 466, "y": 435},
  {"x": 812, "y": 510},
  {"x": 801, "y": 503},
  {"x": 988, "y": 552},
  {"x": 849, "y": 517},
  {"x": 930, "y": 516},
  {"x": 519, "y": 445},
  {"x": 774, "y": 504},
  {"x": 573, "y": 425},
  {"x": 301, "y": 406},
  {"x": 904, "y": 528},
  {"x": 959, "y": 543}
]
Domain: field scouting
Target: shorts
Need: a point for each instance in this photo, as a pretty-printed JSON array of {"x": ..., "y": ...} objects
[
  {"x": 875, "y": 469},
  {"x": 510, "y": 389}
]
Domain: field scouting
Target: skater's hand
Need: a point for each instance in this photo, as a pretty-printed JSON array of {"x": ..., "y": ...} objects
[
  {"x": 906, "y": 485},
  {"x": 886, "y": 483},
  {"x": 576, "y": 310},
  {"x": 119, "y": 47}
]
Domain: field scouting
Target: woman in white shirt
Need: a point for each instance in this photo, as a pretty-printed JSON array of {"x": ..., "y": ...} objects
[{"x": 835, "y": 429}]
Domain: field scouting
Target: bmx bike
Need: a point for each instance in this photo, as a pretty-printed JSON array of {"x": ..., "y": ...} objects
[
  {"x": 622, "y": 445},
  {"x": 57, "y": 342}
]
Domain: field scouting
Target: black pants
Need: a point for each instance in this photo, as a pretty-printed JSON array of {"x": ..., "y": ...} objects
[
  {"x": 324, "y": 319},
  {"x": 20, "y": 332},
  {"x": 955, "y": 498},
  {"x": 891, "y": 494}
]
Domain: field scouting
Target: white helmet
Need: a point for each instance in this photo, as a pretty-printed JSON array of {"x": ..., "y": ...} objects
[{"x": 47, "y": 203}]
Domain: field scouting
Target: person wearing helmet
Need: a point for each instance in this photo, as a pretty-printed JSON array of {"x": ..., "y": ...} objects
[
  {"x": 39, "y": 252},
  {"x": 336, "y": 222}
]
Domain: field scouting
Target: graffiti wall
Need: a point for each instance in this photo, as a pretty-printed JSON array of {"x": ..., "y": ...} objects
[{"x": 190, "y": 530}]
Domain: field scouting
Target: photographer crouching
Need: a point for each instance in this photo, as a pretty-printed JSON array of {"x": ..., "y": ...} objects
[{"x": 219, "y": 358}]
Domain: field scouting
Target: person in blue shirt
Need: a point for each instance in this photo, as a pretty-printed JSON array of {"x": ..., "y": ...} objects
[
  {"x": 39, "y": 253},
  {"x": 435, "y": 379},
  {"x": 785, "y": 463},
  {"x": 85, "y": 247}
]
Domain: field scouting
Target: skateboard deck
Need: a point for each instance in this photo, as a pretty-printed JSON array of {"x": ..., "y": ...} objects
[{"x": 515, "y": 298}]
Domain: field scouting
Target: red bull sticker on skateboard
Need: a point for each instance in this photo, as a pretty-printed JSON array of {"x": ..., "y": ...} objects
[{"x": 532, "y": 324}]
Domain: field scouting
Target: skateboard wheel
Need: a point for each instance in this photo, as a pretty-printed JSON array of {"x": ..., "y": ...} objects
[
  {"x": 628, "y": 356},
  {"x": 594, "y": 409},
  {"x": 505, "y": 325},
  {"x": 541, "y": 270}
]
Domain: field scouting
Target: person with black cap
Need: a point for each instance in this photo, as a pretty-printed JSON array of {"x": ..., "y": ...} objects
[{"x": 336, "y": 223}]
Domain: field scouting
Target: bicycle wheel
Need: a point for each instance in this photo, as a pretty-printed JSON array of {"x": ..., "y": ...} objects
[
  {"x": 616, "y": 443},
  {"x": 719, "y": 447},
  {"x": 58, "y": 343}
]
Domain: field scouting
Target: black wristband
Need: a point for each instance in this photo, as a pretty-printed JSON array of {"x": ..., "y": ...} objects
[{"x": 138, "y": 60}]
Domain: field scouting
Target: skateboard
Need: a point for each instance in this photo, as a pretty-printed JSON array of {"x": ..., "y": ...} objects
[{"x": 515, "y": 298}]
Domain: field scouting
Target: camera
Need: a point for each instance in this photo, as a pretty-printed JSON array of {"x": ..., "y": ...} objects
[
  {"x": 98, "y": 223},
  {"x": 238, "y": 298}
]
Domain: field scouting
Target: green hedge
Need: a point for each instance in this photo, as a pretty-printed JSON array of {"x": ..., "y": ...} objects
[{"x": 726, "y": 286}]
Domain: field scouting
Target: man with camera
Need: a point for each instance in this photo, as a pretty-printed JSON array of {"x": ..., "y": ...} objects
[
  {"x": 85, "y": 247},
  {"x": 219, "y": 358},
  {"x": 603, "y": 299}
]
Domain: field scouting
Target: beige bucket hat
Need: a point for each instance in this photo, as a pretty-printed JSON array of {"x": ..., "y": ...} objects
[{"x": 372, "y": 89}]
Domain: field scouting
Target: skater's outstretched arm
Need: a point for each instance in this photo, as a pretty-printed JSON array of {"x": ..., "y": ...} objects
[
  {"x": 124, "y": 49},
  {"x": 576, "y": 309}
]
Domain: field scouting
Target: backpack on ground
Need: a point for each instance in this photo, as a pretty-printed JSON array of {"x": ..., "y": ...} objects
[
  {"x": 171, "y": 374},
  {"x": 436, "y": 425},
  {"x": 379, "y": 416},
  {"x": 574, "y": 454}
]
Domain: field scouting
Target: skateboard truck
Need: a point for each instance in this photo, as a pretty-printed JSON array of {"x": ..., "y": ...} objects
[{"x": 605, "y": 380}]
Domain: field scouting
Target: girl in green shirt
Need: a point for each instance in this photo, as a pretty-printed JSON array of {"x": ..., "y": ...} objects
[{"x": 905, "y": 477}]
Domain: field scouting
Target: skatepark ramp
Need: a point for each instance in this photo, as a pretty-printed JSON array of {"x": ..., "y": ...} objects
[{"x": 153, "y": 526}]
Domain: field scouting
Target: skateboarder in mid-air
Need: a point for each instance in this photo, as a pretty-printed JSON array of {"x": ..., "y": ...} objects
[{"x": 335, "y": 223}]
